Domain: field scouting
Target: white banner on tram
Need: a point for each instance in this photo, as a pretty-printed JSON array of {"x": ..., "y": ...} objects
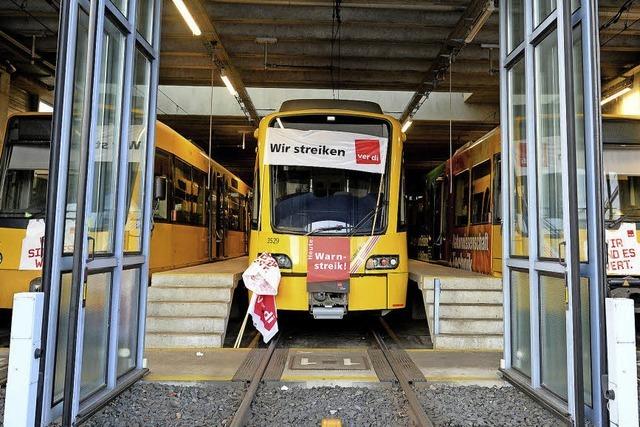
[{"x": 326, "y": 149}]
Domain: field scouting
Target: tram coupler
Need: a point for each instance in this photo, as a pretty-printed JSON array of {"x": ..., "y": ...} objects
[
  {"x": 328, "y": 305},
  {"x": 322, "y": 313}
]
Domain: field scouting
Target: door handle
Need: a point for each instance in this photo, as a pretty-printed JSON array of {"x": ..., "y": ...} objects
[
  {"x": 561, "y": 259},
  {"x": 92, "y": 251}
]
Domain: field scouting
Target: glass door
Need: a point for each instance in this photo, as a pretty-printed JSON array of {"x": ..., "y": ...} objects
[
  {"x": 553, "y": 276},
  {"x": 99, "y": 200}
]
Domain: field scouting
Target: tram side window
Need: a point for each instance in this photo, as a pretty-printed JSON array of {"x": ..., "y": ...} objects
[
  {"x": 461, "y": 207},
  {"x": 198, "y": 197},
  {"x": 402, "y": 202},
  {"x": 480, "y": 196},
  {"x": 255, "y": 208},
  {"x": 497, "y": 189},
  {"x": 236, "y": 217},
  {"x": 162, "y": 167},
  {"x": 181, "y": 192}
]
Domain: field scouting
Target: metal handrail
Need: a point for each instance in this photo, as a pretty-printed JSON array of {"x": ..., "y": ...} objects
[{"x": 436, "y": 306}]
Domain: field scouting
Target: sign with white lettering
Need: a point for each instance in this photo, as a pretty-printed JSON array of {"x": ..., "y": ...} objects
[
  {"x": 32, "y": 246},
  {"x": 326, "y": 149},
  {"x": 328, "y": 259},
  {"x": 623, "y": 251}
]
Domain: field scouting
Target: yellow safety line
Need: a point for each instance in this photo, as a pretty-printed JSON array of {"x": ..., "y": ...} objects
[
  {"x": 368, "y": 378},
  {"x": 324, "y": 350},
  {"x": 154, "y": 377},
  {"x": 460, "y": 378},
  {"x": 194, "y": 350},
  {"x": 459, "y": 350}
]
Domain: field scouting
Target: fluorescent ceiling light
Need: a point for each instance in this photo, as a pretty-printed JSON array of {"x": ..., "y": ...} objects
[
  {"x": 479, "y": 23},
  {"x": 186, "y": 15},
  {"x": 615, "y": 95},
  {"x": 331, "y": 118},
  {"x": 228, "y": 84},
  {"x": 279, "y": 123},
  {"x": 406, "y": 125}
]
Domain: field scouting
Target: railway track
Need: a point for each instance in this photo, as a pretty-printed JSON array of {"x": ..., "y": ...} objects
[
  {"x": 420, "y": 417},
  {"x": 416, "y": 411},
  {"x": 240, "y": 417}
]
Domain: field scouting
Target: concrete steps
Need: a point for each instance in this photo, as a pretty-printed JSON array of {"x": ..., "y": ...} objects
[
  {"x": 184, "y": 293},
  {"x": 470, "y": 307},
  {"x": 189, "y": 307},
  {"x": 471, "y": 325},
  {"x": 467, "y": 310},
  {"x": 186, "y": 308},
  {"x": 196, "y": 325},
  {"x": 468, "y": 341},
  {"x": 468, "y": 296},
  {"x": 162, "y": 340}
]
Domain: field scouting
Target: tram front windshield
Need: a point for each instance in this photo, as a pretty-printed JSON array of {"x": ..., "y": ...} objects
[
  {"x": 622, "y": 183},
  {"x": 25, "y": 167},
  {"x": 321, "y": 200}
]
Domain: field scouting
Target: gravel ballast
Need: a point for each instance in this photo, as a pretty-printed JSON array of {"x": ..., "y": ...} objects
[
  {"x": 154, "y": 404},
  {"x": 450, "y": 405},
  {"x": 299, "y": 406}
]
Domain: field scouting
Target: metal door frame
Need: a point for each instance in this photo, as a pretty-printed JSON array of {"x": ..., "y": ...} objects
[
  {"x": 78, "y": 263},
  {"x": 564, "y": 21}
]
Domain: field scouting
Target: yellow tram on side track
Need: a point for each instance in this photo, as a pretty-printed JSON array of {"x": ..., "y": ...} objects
[
  {"x": 192, "y": 225},
  {"x": 329, "y": 205}
]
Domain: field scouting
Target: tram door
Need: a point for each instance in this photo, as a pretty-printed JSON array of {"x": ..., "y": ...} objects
[
  {"x": 551, "y": 169},
  {"x": 213, "y": 215},
  {"x": 222, "y": 209},
  {"x": 99, "y": 205}
]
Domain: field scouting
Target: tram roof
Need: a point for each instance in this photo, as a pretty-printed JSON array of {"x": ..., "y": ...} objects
[{"x": 330, "y": 104}]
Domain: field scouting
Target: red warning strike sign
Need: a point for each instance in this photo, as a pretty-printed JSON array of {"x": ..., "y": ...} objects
[
  {"x": 367, "y": 152},
  {"x": 328, "y": 259}
]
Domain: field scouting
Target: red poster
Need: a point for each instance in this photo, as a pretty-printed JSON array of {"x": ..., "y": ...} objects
[
  {"x": 367, "y": 151},
  {"x": 328, "y": 259}
]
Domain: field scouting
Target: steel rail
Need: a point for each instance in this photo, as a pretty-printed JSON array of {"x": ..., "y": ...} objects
[
  {"x": 390, "y": 332},
  {"x": 418, "y": 413},
  {"x": 240, "y": 417}
]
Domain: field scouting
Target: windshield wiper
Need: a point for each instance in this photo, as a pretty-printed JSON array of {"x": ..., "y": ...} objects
[
  {"x": 366, "y": 218},
  {"x": 332, "y": 228}
]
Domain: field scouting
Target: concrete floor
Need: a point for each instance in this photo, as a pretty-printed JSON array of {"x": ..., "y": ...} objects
[
  {"x": 193, "y": 365},
  {"x": 459, "y": 367},
  {"x": 323, "y": 366}
]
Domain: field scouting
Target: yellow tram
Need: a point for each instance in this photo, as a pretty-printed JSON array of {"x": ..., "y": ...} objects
[
  {"x": 180, "y": 234},
  {"x": 183, "y": 219},
  {"x": 464, "y": 218},
  {"x": 329, "y": 205}
]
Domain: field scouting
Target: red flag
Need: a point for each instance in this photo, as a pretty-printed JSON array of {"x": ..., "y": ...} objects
[{"x": 264, "y": 315}]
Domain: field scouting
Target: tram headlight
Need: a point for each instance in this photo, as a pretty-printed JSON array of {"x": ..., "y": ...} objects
[
  {"x": 383, "y": 262},
  {"x": 35, "y": 285},
  {"x": 283, "y": 260}
]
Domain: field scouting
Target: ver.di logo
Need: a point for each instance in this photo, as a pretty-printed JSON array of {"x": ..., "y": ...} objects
[{"x": 367, "y": 151}]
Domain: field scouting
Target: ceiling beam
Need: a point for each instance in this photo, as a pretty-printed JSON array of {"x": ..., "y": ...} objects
[
  {"x": 430, "y": 6},
  {"x": 450, "y": 48},
  {"x": 210, "y": 34},
  {"x": 629, "y": 73},
  {"x": 28, "y": 53}
]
